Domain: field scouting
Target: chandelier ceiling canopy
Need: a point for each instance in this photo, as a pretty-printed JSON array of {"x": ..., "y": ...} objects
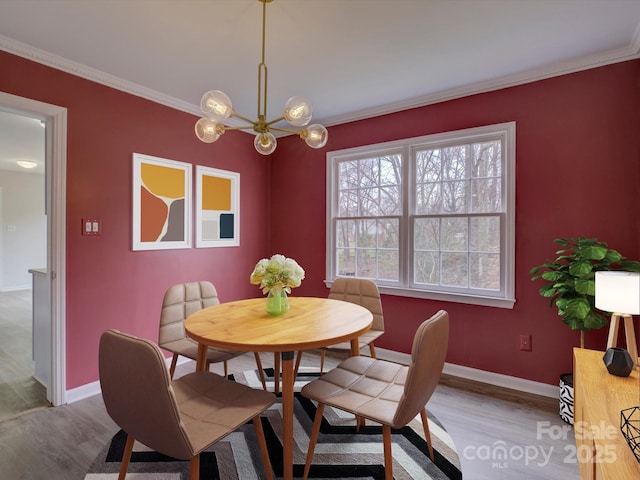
[{"x": 216, "y": 107}]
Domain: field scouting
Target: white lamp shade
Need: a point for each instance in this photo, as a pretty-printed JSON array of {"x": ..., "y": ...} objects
[{"x": 618, "y": 292}]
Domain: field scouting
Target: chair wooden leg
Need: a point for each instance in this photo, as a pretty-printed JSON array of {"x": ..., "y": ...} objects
[
  {"x": 194, "y": 468},
  {"x": 226, "y": 369},
  {"x": 260, "y": 370},
  {"x": 262, "y": 443},
  {"x": 126, "y": 456},
  {"x": 322, "y": 353},
  {"x": 360, "y": 422},
  {"x": 388, "y": 459},
  {"x": 298, "y": 360},
  {"x": 372, "y": 350},
  {"x": 172, "y": 368},
  {"x": 427, "y": 434},
  {"x": 276, "y": 373},
  {"x": 317, "y": 421}
]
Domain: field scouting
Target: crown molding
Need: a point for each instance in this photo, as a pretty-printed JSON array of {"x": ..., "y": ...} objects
[
  {"x": 632, "y": 51},
  {"x": 54, "y": 61}
]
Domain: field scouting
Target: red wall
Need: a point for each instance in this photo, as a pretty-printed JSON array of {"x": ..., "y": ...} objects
[
  {"x": 577, "y": 174},
  {"x": 109, "y": 285}
]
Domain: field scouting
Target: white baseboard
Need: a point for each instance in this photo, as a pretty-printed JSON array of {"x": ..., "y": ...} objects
[
  {"x": 93, "y": 388},
  {"x": 82, "y": 392},
  {"x": 505, "y": 381},
  {"x": 468, "y": 373},
  {"x": 497, "y": 379},
  {"x": 15, "y": 288}
]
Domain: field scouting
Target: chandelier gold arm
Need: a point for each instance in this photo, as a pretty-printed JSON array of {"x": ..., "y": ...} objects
[
  {"x": 275, "y": 120},
  {"x": 285, "y": 130}
]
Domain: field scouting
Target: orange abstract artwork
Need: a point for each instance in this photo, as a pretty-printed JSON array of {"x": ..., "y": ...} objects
[
  {"x": 216, "y": 193},
  {"x": 218, "y": 207},
  {"x": 162, "y": 203},
  {"x": 161, "y": 208}
]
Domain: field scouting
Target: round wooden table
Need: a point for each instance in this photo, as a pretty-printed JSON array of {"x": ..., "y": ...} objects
[{"x": 310, "y": 323}]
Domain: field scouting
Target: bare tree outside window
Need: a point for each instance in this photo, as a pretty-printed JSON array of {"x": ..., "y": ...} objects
[
  {"x": 370, "y": 204},
  {"x": 432, "y": 214},
  {"x": 454, "y": 186}
]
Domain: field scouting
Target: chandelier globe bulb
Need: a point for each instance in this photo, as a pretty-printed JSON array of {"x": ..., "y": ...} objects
[
  {"x": 298, "y": 111},
  {"x": 315, "y": 135},
  {"x": 265, "y": 143},
  {"x": 216, "y": 105},
  {"x": 208, "y": 130}
]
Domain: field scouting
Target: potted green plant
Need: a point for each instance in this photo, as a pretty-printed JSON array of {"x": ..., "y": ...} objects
[{"x": 571, "y": 284}]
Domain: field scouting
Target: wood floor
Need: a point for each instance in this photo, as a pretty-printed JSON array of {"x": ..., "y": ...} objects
[
  {"x": 19, "y": 391},
  {"x": 498, "y": 434}
]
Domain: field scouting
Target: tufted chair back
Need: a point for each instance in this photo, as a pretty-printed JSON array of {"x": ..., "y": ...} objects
[
  {"x": 179, "y": 302},
  {"x": 361, "y": 291}
]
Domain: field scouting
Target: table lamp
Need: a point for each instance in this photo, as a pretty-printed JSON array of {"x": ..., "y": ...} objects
[{"x": 619, "y": 292}]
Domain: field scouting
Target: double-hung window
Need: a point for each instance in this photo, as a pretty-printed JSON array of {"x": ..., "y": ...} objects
[{"x": 430, "y": 217}]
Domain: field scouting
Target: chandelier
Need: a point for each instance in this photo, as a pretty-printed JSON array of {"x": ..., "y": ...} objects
[{"x": 217, "y": 108}]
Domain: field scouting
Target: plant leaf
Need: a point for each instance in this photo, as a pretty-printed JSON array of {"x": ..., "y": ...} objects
[
  {"x": 580, "y": 269},
  {"x": 592, "y": 252},
  {"x": 548, "y": 290},
  {"x": 630, "y": 266},
  {"x": 586, "y": 286},
  {"x": 578, "y": 307},
  {"x": 595, "y": 321},
  {"x": 613, "y": 257},
  {"x": 552, "y": 276}
]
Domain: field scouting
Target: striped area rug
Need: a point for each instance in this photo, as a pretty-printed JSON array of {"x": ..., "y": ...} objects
[{"x": 341, "y": 452}]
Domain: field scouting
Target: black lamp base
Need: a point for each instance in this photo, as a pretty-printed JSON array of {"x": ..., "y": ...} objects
[{"x": 618, "y": 362}]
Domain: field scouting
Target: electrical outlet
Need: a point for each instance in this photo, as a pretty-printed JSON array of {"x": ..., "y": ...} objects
[{"x": 525, "y": 343}]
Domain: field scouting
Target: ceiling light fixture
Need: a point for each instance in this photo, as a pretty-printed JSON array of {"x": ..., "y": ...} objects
[
  {"x": 27, "y": 164},
  {"x": 217, "y": 107}
]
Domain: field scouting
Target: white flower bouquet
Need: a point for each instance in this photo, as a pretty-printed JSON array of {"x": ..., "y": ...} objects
[{"x": 276, "y": 274}]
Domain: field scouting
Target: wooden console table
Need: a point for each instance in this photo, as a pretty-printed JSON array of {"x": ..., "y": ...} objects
[{"x": 599, "y": 397}]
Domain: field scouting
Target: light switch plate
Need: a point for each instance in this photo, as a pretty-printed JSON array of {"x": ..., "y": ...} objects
[{"x": 91, "y": 226}]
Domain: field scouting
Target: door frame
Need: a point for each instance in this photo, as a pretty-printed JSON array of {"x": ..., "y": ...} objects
[{"x": 55, "y": 195}]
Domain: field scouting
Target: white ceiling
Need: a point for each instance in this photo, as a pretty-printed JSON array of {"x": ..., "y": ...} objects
[
  {"x": 21, "y": 138},
  {"x": 350, "y": 58}
]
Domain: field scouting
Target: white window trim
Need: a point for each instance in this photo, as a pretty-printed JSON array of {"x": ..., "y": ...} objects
[{"x": 508, "y": 129}]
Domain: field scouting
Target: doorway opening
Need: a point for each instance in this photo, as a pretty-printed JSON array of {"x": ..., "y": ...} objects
[
  {"x": 23, "y": 253},
  {"x": 54, "y": 118}
]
